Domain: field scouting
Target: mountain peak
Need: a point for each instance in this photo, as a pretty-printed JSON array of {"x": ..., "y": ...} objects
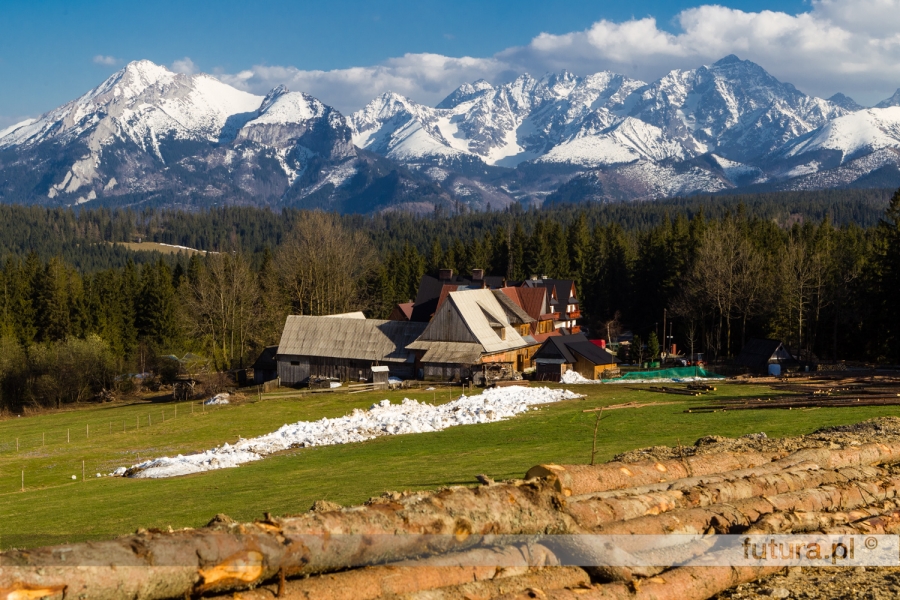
[
  {"x": 892, "y": 101},
  {"x": 270, "y": 99},
  {"x": 845, "y": 102},
  {"x": 731, "y": 59}
]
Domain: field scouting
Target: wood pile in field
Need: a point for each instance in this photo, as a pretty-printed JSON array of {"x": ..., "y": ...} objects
[
  {"x": 432, "y": 545},
  {"x": 818, "y": 392}
]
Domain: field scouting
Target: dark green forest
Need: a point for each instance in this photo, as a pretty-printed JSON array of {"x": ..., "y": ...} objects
[{"x": 819, "y": 270}]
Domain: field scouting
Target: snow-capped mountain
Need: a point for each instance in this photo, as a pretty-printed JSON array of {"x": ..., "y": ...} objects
[
  {"x": 147, "y": 134},
  {"x": 499, "y": 126},
  {"x": 892, "y": 101}
]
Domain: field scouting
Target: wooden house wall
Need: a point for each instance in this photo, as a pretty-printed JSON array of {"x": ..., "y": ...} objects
[
  {"x": 445, "y": 372},
  {"x": 290, "y": 373},
  {"x": 448, "y": 326},
  {"x": 336, "y": 368}
]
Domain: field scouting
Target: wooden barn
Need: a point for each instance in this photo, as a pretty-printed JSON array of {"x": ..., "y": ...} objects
[
  {"x": 473, "y": 335},
  {"x": 344, "y": 348},
  {"x": 575, "y": 352}
]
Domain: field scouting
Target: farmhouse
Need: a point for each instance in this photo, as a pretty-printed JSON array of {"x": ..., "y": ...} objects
[
  {"x": 565, "y": 306},
  {"x": 765, "y": 356},
  {"x": 473, "y": 335},
  {"x": 536, "y": 304},
  {"x": 344, "y": 348},
  {"x": 575, "y": 352}
]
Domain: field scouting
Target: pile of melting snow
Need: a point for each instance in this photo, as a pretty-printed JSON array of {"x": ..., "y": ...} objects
[
  {"x": 218, "y": 399},
  {"x": 383, "y": 418}
]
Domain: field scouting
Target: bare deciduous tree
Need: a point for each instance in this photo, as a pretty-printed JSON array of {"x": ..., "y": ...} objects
[
  {"x": 323, "y": 265},
  {"x": 221, "y": 306}
]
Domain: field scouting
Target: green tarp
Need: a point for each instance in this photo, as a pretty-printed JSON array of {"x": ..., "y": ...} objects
[{"x": 673, "y": 373}]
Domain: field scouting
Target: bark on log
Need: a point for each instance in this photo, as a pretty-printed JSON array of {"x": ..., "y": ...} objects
[
  {"x": 585, "y": 479},
  {"x": 404, "y": 579},
  {"x": 591, "y": 513},
  {"x": 550, "y": 578},
  {"x": 739, "y": 515},
  {"x": 684, "y": 583},
  {"x": 159, "y": 565}
]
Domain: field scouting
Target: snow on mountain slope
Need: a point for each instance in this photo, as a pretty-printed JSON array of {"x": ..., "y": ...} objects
[
  {"x": 628, "y": 141},
  {"x": 143, "y": 104},
  {"x": 501, "y": 125},
  {"x": 860, "y": 132},
  {"x": 849, "y": 173},
  {"x": 733, "y": 107}
]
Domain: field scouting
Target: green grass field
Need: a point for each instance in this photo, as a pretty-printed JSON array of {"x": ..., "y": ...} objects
[{"x": 55, "y": 509}]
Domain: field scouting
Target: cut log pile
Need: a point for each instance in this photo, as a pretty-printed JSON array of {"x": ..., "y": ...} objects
[
  {"x": 438, "y": 545},
  {"x": 820, "y": 392}
]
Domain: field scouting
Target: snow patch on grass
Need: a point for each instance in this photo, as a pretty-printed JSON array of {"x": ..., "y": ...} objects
[{"x": 383, "y": 418}]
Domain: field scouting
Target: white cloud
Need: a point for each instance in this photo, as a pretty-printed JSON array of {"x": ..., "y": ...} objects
[
  {"x": 107, "y": 61},
  {"x": 184, "y": 65},
  {"x": 851, "y": 46},
  {"x": 423, "y": 77}
]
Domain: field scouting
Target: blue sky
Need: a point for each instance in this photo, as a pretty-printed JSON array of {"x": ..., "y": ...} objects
[{"x": 345, "y": 51}]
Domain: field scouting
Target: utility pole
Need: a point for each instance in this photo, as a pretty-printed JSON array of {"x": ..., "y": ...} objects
[{"x": 665, "y": 344}]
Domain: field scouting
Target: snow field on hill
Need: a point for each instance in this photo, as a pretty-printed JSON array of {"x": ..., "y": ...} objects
[{"x": 383, "y": 418}]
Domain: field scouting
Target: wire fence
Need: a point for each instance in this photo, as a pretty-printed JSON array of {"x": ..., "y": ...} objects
[{"x": 57, "y": 437}]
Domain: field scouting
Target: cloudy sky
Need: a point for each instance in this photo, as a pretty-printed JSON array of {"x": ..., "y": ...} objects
[{"x": 347, "y": 51}]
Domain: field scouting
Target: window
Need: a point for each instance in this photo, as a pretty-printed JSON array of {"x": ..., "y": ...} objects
[{"x": 295, "y": 363}]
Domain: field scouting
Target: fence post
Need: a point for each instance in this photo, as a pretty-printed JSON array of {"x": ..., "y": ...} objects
[
  {"x": 68, "y": 439},
  {"x": 82, "y": 471},
  {"x": 87, "y": 431}
]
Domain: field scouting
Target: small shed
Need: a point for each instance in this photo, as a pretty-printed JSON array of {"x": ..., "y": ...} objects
[
  {"x": 266, "y": 367},
  {"x": 380, "y": 375},
  {"x": 575, "y": 352},
  {"x": 758, "y": 354}
]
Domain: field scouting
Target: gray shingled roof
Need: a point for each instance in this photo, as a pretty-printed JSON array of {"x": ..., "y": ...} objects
[{"x": 341, "y": 337}]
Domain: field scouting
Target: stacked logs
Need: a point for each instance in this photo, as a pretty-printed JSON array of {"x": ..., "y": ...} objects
[{"x": 362, "y": 552}]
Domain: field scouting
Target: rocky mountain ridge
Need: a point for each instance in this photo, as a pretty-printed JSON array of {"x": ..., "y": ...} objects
[{"x": 147, "y": 134}]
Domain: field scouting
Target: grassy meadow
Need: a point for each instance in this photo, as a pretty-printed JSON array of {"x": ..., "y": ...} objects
[{"x": 55, "y": 509}]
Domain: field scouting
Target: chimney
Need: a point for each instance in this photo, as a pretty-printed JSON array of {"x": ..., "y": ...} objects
[
  {"x": 445, "y": 274},
  {"x": 477, "y": 274}
]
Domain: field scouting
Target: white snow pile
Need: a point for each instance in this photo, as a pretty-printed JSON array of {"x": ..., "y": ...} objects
[
  {"x": 395, "y": 380},
  {"x": 574, "y": 378},
  {"x": 381, "y": 419},
  {"x": 218, "y": 399}
]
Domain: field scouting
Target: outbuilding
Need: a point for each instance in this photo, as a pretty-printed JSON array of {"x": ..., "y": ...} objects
[
  {"x": 765, "y": 356},
  {"x": 575, "y": 352},
  {"x": 344, "y": 348}
]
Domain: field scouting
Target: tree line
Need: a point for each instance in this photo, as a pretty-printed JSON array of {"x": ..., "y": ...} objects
[{"x": 723, "y": 271}]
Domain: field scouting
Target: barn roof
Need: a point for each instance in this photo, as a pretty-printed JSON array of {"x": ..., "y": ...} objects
[
  {"x": 266, "y": 359},
  {"x": 482, "y": 313},
  {"x": 448, "y": 352},
  {"x": 757, "y": 353},
  {"x": 350, "y": 338},
  {"x": 514, "y": 311},
  {"x": 568, "y": 346}
]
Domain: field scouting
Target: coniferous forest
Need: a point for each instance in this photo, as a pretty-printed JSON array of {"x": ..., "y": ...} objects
[{"x": 79, "y": 308}]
